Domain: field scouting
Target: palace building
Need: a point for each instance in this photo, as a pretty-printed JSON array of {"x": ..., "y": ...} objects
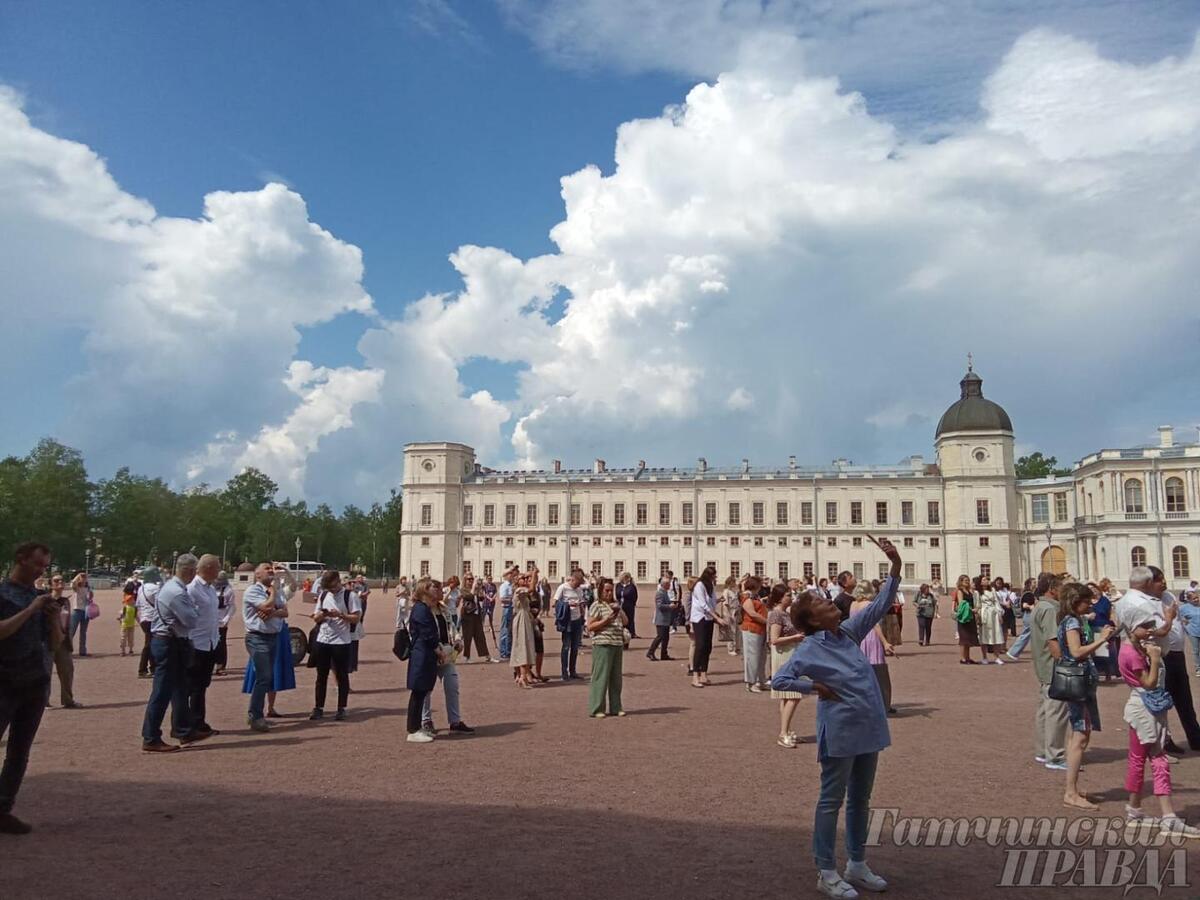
[{"x": 964, "y": 513}]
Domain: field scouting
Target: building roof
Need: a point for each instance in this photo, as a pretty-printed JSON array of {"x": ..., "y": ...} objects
[
  {"x": 972, "y": 411},
  {"x": 915, "y": 467}
]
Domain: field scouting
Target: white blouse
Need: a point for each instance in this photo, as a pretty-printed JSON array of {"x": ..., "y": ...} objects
[{"x": 703, "y": 604}]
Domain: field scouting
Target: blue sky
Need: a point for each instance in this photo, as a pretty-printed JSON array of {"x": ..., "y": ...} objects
[
  {"x": 406, "y": 135},
  {"x": 413, "y": 129}
]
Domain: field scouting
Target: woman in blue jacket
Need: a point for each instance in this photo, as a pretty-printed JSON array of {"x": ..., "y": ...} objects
[
  {"x": 426, "y": 654},
  {"x": 851, "y": 723}
]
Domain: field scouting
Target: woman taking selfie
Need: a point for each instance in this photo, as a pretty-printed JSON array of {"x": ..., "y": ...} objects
[
  {"x": 851, "y": 724},
  {"x": 606, "y": 623}
]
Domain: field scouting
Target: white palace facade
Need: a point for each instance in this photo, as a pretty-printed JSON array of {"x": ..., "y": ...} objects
[{"x": 964, "y": 513}]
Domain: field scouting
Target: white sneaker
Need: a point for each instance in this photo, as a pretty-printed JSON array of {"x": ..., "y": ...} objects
[
  {"x": 1136, "y": 817},
  {"x": 999, "y": 661},
  {"x": 1176, "y": 827},
  {"x": 860, "y": 875},
  {"x": 836, "y": 888},
  {"x": 420, "y": 737}
]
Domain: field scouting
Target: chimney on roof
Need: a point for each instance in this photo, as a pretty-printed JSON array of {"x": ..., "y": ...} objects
[
  {"x": 556, "y": 465},
  {"x": 1166, "y": 436},
  {"x": 792, "y": 463},
  {"x": 745, "y": 466},
  {"x": 598, "y": 467},
  {"x": 702, "y": 464}
]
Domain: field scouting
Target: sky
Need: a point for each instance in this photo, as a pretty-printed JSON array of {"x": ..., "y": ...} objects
[{"x": 296, "y": 235}]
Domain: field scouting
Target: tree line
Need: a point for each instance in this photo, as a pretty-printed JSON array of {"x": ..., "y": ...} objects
[{"x": 130, "y": 520}]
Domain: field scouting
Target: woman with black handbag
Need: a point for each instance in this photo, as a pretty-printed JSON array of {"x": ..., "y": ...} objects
[{"x": 1075, "y": 679}]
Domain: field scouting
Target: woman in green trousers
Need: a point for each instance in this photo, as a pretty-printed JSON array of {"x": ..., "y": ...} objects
[{"x": 606, "y": 624}]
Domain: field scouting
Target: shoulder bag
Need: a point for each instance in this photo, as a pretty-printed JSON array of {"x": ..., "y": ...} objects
[{"x": 1070, "y": 680}]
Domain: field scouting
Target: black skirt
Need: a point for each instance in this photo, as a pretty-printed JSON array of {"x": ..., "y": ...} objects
[{"x": 968, "y": 634}]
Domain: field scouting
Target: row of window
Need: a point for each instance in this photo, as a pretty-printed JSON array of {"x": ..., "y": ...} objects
[
  {"x": 642, "y": 569},
  {"x": 1135, "y": 496},
  {"x": 666, "y": 512},
  {"x": 1180, "y": 567},
  {"x": 665, "y": 541},
  {"x": 1040, "y": 508}
]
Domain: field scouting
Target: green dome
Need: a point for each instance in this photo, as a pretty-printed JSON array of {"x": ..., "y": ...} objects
[{"x": 972, "y": 412}]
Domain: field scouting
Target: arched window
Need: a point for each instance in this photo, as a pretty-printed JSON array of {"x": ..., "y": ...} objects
[
  {"x": 1179, "y": 562},
  {"x": 1175, "y": 497},
  {"x": 1137, "y": 556},
  {"x": 1135, "y": 501}
]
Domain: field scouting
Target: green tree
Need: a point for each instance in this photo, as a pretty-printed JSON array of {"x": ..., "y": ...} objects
[
  {"x": 1035, "y": 465},
  {"x": 57, "y": 500},
  {"x": 137, "y": 518},
  {"x": 245, "y": 498}
]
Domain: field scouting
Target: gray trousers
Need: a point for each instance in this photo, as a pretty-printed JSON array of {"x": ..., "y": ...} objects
[
  {"x": 448, "y": 676},
  {"x": 754, "y": 658},
  {"x": 1050, "y": 726}
]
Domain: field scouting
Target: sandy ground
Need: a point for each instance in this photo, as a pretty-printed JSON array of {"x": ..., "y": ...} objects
[{"x": 687, "y": 797}]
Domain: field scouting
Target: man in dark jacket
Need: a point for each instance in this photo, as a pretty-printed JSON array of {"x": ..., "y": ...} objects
[
  {"x": 627, "y": 596},
  {"x": 30, "y": 631}
]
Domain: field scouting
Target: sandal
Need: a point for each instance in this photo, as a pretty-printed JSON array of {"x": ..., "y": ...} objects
[{"x": 786, "y": 741}]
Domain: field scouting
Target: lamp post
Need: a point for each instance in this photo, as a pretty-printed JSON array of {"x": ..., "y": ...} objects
[
  {"x": 1049, "y": 545},
  {"x": 87, "y": 562},
  {"x": 297, "y": 552}
]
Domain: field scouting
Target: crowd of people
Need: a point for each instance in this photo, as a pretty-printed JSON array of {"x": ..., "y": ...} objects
[{"x": 796, "y": 639}]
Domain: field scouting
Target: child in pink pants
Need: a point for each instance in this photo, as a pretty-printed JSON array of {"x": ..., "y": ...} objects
[{"x": 1140, "y": 663}]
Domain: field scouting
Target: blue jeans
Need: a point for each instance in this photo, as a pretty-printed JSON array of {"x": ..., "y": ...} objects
[
  {"x": 506, "y": 632},
  {"x": 850, "y": 778},
  {"x": 572, "y": 639},
  {"x": 79, "y": 621},
  {"x": 1195, "y": 642},
  {"x": 262, "y": 649},
  {"x": 1022, "y": 640},
  {"x": 171, "y": 659}
]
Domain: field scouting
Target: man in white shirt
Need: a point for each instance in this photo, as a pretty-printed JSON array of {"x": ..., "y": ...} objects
[
  {"x": 171, "y": 622},
  {"x": 1148, "y": 597},
  {"x": 264, "y": 611},
  {"x": 151, "y": 583},
  {"x": 506, "y": 612},
  {"x": 226, "y": 607},
  {"x": 568, "y": 619},
  {"x": 205, "y": 636}
]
